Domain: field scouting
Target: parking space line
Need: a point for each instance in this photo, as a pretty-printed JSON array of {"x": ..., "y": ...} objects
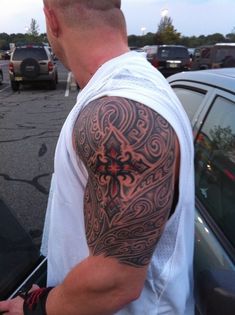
[
  {"x": 4, "y": 88},
  {"x": 68, "y": 85}
]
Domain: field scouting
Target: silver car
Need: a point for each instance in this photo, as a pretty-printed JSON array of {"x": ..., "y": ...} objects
[{"x": 208, "y": 97}]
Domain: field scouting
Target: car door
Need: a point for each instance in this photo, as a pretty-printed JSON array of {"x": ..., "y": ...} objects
[
  {"x": 212, "y": 114},
  {"x": 20, "y": 261}
]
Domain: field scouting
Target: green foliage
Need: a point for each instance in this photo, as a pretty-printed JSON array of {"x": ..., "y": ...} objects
[
  {"x": 141, "y": 41},
  {"x": 192, "y": 41},
  {"x": 33, "y": 29},
  {"x": 230, "y": 37},
  {"x": 166, "y": 33},
  {"x": 20, "y": 38}
]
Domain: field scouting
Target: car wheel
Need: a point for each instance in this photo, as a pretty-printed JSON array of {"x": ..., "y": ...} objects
[
  {"x": 15, "y": 86},
  {"x": 30, "y": 68},
  {"x": 56, "y": 78},
  {"x": 53, "y": 84}
]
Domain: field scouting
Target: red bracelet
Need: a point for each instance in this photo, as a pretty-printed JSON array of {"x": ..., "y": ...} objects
[{"x": 35, "y": 301}]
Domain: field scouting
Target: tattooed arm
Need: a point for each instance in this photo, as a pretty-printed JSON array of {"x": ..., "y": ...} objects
[{"x": 130, "y": 153}]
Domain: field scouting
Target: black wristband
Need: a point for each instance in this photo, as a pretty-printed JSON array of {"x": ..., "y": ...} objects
[{"x": 35, "y": 301}]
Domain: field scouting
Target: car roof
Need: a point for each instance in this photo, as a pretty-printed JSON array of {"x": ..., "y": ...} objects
[
  {"x": 225, "y": 44},
  {"x": 172, "y": 46},
  {"x": 223, "y": 78}
]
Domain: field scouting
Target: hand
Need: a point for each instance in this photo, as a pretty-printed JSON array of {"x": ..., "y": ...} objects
[{"x": 14, "y": 306}]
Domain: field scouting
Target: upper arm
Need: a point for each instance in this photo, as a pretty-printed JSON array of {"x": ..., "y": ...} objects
[{"x": 130, "y": 153}]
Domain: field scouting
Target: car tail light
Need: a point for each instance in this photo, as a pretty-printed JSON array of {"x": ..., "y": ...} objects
[
  {"x": 155, "y": 62},
  {"x": 50, "y": 66},
  {"x": 189, "y": 64},
  {"x": 11, "y": 67},
  {"x": 229, "y": 174}
]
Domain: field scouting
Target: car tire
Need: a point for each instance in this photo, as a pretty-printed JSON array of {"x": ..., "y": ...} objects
[
  {"x": 53, "y": 84},
  {"x": 15, "y": 86},
  {"x": 30, "y": 68},
  {"x": 57, "y": 80}
]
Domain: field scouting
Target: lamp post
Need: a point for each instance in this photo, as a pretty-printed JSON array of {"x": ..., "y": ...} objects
[
  {"x": 164, "y": 12},
  {"x": 143, "y": 30}
]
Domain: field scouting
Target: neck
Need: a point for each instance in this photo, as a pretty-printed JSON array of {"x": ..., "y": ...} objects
[{"x": 85, "y": 57}]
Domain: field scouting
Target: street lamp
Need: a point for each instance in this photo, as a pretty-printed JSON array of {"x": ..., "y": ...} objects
[
  {"x": 164, "y": 12},
  {"x": 143, "y": 30}
]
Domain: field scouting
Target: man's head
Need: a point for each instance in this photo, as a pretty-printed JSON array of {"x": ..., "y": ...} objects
[
  {"x": 84, "y": 12},
  {"x": 90, "y": 24}
]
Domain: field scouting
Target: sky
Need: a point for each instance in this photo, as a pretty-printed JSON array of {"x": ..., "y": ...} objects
[{"x": 190, "y": 17}]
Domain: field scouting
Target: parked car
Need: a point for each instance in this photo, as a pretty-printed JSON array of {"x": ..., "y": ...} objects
[
  {"x": 5, "y": 54},
  {"x": 32, "y": 63},
  {"x": 221, "y": 55},
  {"x": 169, "y": 59},
  {"x": 1, "y": 75},
  {"x": 209, "y": 100},
  {"x": 21, "y": 263}
]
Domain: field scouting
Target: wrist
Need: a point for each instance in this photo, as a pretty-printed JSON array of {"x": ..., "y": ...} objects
[{"x": 35, "y": 301}]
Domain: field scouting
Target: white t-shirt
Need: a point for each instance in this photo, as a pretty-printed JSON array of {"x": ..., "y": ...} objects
[{"x": 168, "y": 287}]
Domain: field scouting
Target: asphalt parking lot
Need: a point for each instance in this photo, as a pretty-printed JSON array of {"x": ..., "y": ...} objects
[{"x": 30, "y": 122}]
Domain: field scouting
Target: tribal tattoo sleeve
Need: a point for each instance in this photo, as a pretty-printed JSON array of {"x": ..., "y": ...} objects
[{"x": 130, "y": 152}]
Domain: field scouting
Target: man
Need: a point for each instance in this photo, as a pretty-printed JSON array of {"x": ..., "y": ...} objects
[{"x": 121, "y": 211}]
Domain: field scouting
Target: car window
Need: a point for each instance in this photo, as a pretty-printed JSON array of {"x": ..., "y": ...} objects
[
  {"x": 225, "y": 56},
  {"x": 190, "y": 99},
  {"x": 223, "y": 52},
  {"x": 215, "y": 165},
  {"x": 36, "y": 53},
  {"x": 206, "y": 52},
  {"x": 172, "y": 52},
  {"x": 151, "y": 51}
]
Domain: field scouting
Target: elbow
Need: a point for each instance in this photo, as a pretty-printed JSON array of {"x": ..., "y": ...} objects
[
  {"x": 130, "y": 294},
  {"x": 136, "y": 294}
]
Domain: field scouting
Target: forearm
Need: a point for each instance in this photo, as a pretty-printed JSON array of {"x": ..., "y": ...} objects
[{"x": 96, "y": 286}]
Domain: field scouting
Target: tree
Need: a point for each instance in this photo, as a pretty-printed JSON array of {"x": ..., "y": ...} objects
[
  {"x": 215, "y": 38},
  {"x": 231, "y": 36},
  {"x": 166, "y": 33},
  {"x": 4, "y": 41},
  {"x": 34, "y": 28}
]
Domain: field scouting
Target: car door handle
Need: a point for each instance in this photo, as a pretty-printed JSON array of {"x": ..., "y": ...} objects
[{"x": 216, "y": 292}]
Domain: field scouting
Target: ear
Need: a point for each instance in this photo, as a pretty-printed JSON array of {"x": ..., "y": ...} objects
[{"x": 52, "y": 21}]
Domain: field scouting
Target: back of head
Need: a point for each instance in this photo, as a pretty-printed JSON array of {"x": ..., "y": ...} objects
[{"x": 90, "y": 14}]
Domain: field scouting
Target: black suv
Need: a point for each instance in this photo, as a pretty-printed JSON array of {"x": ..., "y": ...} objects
[
  {"x": 32, "y": 63},
  {"x": 169, "y": 59}
]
